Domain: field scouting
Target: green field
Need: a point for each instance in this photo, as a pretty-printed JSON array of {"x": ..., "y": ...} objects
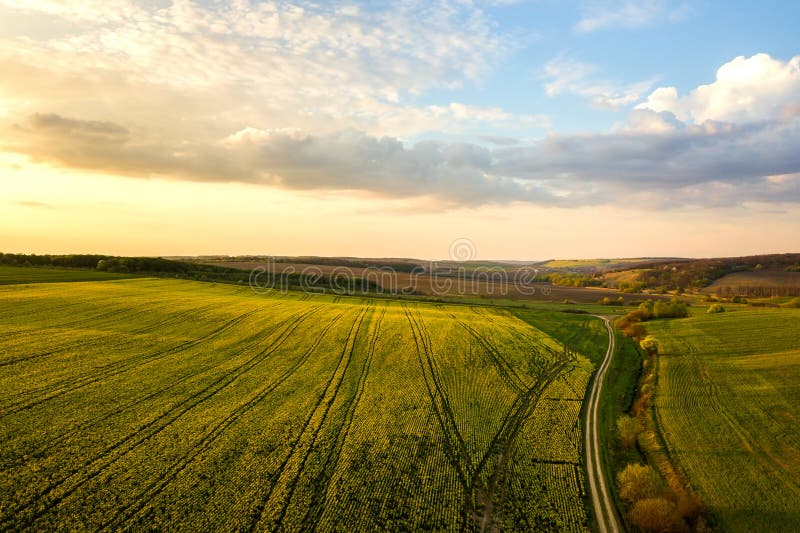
[
  {"x": 13, "y": 275},
  {"x": 728, "y": 405},
  {"x": 190, "y": 406},
  {"x": 592, "y": 263}
]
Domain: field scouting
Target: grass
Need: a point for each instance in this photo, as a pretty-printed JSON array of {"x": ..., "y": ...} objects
[
  {"x": 179, "y": 405},
  {"x": 616, "y": 399},
  {"x": 19, "y": 275},
  {"x": 584, "y": 334},
  {"x": 728, "y": 406}
]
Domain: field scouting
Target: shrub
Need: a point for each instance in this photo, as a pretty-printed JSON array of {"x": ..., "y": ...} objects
[
  {"x": 638, "y": 482},
  {"x": 635, "y": 331},
  {"x": 655, "y": 514},
  {"x": 649, "y": 344},
  {"x": 628, "y": 427},
  {"x": 646, "y": 310},
  {"x": 715, "y": 308},
  {"x": 672, "y": 309}
]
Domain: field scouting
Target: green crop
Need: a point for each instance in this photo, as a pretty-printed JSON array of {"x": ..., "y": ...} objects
[
  {"x": 728, "y": 405},
  {"x": 179, "y": 405}
]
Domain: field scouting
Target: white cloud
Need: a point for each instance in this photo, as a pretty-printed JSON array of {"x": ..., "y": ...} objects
[
  {"x": 607, "y": 14},
  {"x": 568, "y": 76},
  {"x": 745, "y": 90},
  {"x": 647, "y": 121},
  {"x": 321, "y": 66}
]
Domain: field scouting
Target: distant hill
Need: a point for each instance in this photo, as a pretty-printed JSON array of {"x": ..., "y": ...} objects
[
  {"x": 603, "y": 265},
  {"x": 696, "y": 274}
]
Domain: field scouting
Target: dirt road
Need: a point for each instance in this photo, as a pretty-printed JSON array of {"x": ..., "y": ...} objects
[{"x": 600, "y": 491}]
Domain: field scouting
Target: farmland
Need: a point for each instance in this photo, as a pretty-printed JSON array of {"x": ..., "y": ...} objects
[
  {"x": 495, "y": 281},
  {"x": 728, "y": 406},
  {"x": 14, "y": 275},
  {"x": 194, "y": 406},
  {"x": 763, "y": 283}
]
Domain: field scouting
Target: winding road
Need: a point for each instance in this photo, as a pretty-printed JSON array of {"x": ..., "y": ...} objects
[{"x": 602, "y": 501}]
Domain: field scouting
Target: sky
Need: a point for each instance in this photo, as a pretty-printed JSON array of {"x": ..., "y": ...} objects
[{"x": 536, "y": 129}]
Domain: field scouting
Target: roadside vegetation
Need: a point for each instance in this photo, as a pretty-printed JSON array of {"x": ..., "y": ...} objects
[{"x": 652, "y": 494}]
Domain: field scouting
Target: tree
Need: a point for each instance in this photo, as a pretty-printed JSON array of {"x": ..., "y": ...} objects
[
  {"x": 715, "y": 308},
  {"x": 635, "y": 331},
  {"x": 646, "y": 309},
  {"x": 649, "y": 344},
  {"x": 655, "y": 514},
  {"x": 628, "y": 427},
  {"x": 638, "y": 482}
]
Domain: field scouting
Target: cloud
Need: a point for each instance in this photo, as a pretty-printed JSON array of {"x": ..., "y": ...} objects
[
  {"x": 647, "y": 121},
  {"x": 574, "y": 77},
  {"x": 745, "y": 90},
  {"x": 498, "y": 140},
  {"x": 629, "y": 14},
  {"x": 86, "y": 129},
  {"x": 34, "y": 204},
  {"x": 321, "y": 66},
  {"x": 455, "y": 173},
  {"x": 654, "y": 160},
  {"x": 321, "y": 97}
]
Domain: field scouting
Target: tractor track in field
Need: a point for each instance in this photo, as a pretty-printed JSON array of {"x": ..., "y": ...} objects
[
  {"x": 506, "y": 437},
  {"x": 175, "y": 318},
  {"x": 81, "y": 380},
  {"x": 351, "y": 341},
  {"x": 316, "y": 508},
  {"x": 504, "y": 368},
  {"x": 123, "y": 338},
  {"x": 346, "y": 354},
  {"x": 476, "y": 490},
  {"x": 124, "y": 514},
  {"x": 114, "y": 369},
  {"x": 442, "y": 392},
  {"x": 455, "y": 447},
  {"x": 136, "y": 401},
  {"x": 125, "y": 446},
  {"x": 17, "y": 314},
  {"x": 64, "y": 325}
]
